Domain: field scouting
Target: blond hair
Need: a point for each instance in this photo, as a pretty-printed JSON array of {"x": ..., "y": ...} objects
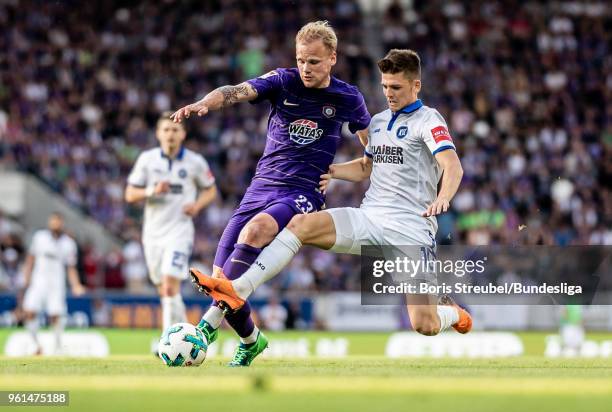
[
  {"x": 166, "y": 116},
  {"x": 318, "y": 30}
]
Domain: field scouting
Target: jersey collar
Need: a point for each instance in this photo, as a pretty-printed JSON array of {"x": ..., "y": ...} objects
[
  {"x": 179, "y": 155},
  {"x": 412, "y": 107}
]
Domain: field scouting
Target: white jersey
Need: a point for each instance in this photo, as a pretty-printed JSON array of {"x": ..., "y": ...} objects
[
  {"x": 51, "y": 257},
  {"x": 187, "y": 173},
  {"x": 405, "y": 173}
]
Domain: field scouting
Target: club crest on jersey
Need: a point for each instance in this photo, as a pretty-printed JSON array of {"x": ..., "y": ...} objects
[
  {"x": 402, "y": 132},
  {"x": 440, "y": 133},
  {"x": 329, "y": 111},
  {"x": 304, "y": 131},
  {"x": 182, "y": 173}
]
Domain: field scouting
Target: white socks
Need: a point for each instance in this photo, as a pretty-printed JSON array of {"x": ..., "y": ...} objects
[
  {"x": 272, "y": 259},
  {"x": 179, "y": 313},
  {"x": 448, "y": 316},
  {"x": 166, "y": 305},
  {"x": 32, "y": 327},
  {"x": 173, "y": 310},
  {"x": 252, "y": 338},
  {"x": 214, "y": 316},
  {"x": 58, "y": 329}
]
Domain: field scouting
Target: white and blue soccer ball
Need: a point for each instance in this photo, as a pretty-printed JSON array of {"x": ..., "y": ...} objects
[{"x": 182, "y": 344}]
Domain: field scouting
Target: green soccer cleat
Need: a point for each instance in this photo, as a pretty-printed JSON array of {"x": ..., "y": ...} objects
[
  {"x": 246, "y": 352},
  {"x": 209, "y": 332}
]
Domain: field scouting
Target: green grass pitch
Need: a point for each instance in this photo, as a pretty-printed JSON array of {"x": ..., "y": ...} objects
[{"x": 132, "y": 381}]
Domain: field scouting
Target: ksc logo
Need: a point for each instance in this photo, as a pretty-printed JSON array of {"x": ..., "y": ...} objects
[
  {"x": 329, "y": 111},
  {"x": 304, "y": 131},
  {"x": 402, "y": 132}
]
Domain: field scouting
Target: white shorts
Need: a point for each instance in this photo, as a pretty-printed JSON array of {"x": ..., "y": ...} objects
[
  {"x": 405, "y": 236},
  {"x": 170, "y": 258},
  {"x": 356, "y": 227},
  {"x": 41, "y": 298}
]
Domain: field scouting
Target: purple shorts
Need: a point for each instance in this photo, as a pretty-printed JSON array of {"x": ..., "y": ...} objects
[{"x": 281, "y": 203}]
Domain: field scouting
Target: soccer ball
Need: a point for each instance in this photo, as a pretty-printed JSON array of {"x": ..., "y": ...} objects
[{"x": 182, "y": 344}]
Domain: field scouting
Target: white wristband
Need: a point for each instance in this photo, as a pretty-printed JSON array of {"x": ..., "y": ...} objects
[{"x": 150, "y": 191}]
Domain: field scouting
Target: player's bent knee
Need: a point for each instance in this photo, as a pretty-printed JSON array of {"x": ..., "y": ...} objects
[
  {"x": 299, "y": 225},
  {"x": 257, "y": 234},
  {"x": 428, "y": 330},
  {"x": 307, "y": 227},
  {"x": 315, "y": 229},
  {"x": 426, "y": 325},
  {"x": 251, "y": 234}
]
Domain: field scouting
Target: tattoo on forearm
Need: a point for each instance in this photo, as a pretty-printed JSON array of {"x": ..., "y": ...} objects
[{"x": 231, "y": 94}]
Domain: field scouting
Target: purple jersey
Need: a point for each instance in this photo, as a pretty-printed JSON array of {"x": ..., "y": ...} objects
[{"x": 304, "y": 127}]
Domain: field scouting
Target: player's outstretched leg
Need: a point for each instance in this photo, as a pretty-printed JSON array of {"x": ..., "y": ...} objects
[
  {"x": 273, "y": 258},
  {"x": 239, "y": 261},
  {"x": 464, "y": 324},
  {"x": 211, "y": 320},
  {"x": 219, "y": 289},
  {"x": 252, "y": 341},
  {"x": 276, "y": 256},
  {"x": 315, "y": 229}
]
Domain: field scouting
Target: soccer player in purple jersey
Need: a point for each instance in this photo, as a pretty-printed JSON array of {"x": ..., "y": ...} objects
[{"x": 308, "y": 109}]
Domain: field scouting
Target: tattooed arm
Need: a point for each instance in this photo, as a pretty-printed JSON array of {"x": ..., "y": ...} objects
[{"x": 221, "y": 97}]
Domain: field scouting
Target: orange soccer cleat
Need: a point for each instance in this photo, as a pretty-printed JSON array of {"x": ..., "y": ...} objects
[
  {"x": 464, "y": 325},
  {"x": 219, "y": 289}
]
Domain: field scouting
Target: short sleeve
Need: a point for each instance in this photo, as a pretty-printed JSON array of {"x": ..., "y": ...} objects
[
  {"x": 436, "y": 134},
  {"x": 267, "y": 85},
  {"x": 368, "y": 148},
  {"x": 204, "y": 177},
  {"x": 70, "y": 254},
  {"x": 360, "y": 117},
  {"x": 138, "y": 175}
]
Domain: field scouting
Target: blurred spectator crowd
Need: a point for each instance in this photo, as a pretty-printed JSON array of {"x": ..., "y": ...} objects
[{"x": 525, "y": 88}]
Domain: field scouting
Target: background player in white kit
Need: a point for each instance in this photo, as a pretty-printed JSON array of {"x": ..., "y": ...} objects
[
  {"x": 168, "y": 179},
  {"x": 52, "y": 254},
  {"x": 408, "y": 148}
]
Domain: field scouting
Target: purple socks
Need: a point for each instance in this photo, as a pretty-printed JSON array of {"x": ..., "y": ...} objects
[{"x": 238, "y": 262}]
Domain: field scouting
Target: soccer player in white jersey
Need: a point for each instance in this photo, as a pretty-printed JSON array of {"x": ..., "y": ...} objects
[
  {"x": 52, "y": 254},
  {"x": 168, "y": 179},
  {"x": 408, "y": 148}
]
